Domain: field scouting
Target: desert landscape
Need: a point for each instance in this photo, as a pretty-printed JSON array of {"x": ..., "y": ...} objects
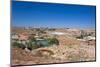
[
  {"x": 49, "y": 33},
  {"x": 52, "y": 45}
]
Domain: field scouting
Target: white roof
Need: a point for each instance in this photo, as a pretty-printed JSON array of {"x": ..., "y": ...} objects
[
  {"x": 90, "y": 37},
  {"x": 58, "y": 33}
]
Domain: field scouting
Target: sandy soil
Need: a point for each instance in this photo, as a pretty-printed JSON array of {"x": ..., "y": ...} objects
[{"x": 69, "y": 50}]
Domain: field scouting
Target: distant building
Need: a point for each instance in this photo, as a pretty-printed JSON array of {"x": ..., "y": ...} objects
[
  {"x": 14, "y": 36},
  {"x": 89, "y": 38}
]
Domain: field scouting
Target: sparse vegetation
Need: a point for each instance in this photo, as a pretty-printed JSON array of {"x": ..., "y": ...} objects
[
  {"x": 52, "y": 41},
  {"x": 83, "y": 34},
  {"x": 65, "y": 49},
  {"x": 32, "y": 45},
  {"x": 18, "y": 45}
]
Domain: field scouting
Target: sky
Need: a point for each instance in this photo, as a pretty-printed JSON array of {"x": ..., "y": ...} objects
[{"x": 36, "y": 14}]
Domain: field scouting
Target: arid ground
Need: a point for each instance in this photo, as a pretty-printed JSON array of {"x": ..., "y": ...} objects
[{"x": 70, "y": 49}]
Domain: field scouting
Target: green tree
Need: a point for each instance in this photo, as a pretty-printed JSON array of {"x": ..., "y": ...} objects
[
  {"x": 18, "y": 45},
  {"x": 52, "y": 41}
]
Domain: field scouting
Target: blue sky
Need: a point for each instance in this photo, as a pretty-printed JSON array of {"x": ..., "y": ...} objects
[{"x": 52, "y": 15}]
